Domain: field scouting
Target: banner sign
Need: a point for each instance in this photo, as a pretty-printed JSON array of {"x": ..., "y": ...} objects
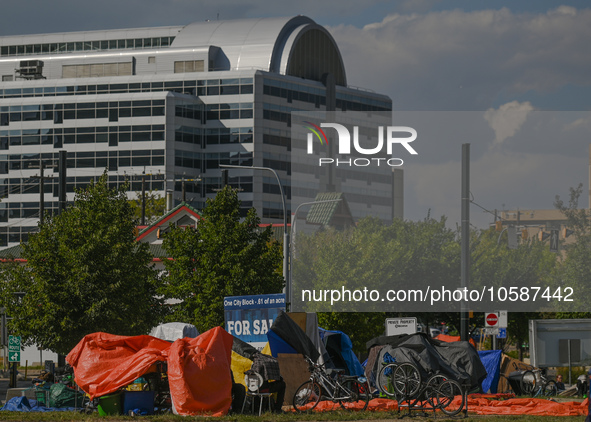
[{"x": 250, "y": 317}]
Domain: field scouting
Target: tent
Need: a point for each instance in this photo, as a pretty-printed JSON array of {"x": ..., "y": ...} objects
[
  {"x": 491, "y": 359},
  {"x": 198, "y": 368},
  {"x": 286, "y": 336},
  {"x": 172, "y": 331},
  {"x": 340, "y": 350},
  {"x": 457, "y": 360},
  {"x": 242, "y": 354}
]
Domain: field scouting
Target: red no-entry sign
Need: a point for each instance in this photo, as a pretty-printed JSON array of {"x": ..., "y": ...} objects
[{"x": 491, "y": 320}]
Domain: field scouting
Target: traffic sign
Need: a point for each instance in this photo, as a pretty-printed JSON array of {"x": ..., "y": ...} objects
[
  {"x": 502, "y": 319},
  {"x": 14, "y": 344},
  {"x": 14, "y": 356},
  {"x": 502, "y": 333},
  {"x": 491, "y": 331},
  {"x": 491, "y": 320}
]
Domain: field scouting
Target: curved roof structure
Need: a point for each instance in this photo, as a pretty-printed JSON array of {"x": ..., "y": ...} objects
[{"x": 293, "y": 46}]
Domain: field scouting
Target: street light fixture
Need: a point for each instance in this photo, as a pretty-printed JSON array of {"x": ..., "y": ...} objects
[
  {"x": 292, "y": 231},
  {"x": 285, "y": 232}
]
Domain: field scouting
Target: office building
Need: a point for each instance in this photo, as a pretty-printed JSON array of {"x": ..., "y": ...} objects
[{"x": 169, "y": 104}]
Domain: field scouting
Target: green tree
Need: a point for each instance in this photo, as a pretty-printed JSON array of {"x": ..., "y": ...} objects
[
  {"x": 375, "y": 256},
  {"x": 575, "y": 271},
  {"x": 155, "y": 206},
  {"x": 221, "y": 256},
  {"x": 84, "y": 273}
]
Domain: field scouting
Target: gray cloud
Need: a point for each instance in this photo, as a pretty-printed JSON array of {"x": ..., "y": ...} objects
[{"x": 456, "y": 60}]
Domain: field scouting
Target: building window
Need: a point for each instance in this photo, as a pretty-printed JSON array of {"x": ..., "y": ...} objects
[
  {"x": 152, "y": 59},
  {"x": 96, "y": 70},
  {"x": 7, "y": 78},
  {"x": 189, "y": 66}
]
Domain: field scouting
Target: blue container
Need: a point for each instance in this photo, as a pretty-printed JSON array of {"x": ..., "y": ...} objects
[{"x": 141, "y": 402}]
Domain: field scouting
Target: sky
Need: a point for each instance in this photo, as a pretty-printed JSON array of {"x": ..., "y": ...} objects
[{"x": 513, "y": 65}]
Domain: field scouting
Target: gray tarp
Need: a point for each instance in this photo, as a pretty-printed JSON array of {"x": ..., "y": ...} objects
[{"x": 458, "y": 360}]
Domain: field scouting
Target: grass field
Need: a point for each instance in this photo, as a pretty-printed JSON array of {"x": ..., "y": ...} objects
[{"x": 329, "y": 416}]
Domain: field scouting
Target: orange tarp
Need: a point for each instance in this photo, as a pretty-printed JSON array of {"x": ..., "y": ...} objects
[
  {"x": 199, "y": 373},
  {"x": 483, "y": 406},
  {"x": 451, "y": 339},
  {"x": 540, "y": 407},
  {"x": 198, "y": 368}
]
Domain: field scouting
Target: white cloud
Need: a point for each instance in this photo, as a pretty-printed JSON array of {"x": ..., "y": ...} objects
[{"x": 507, "y": 119}]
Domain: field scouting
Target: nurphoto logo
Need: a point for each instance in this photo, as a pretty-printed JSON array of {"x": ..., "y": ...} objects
[{"x": 387, "y": 137}]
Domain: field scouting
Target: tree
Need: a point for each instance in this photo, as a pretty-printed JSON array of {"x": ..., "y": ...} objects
[
  {"x": 155, "y": 206},
  {"x": 575, "y": 271},
  {"x": 377, "y": 257},
  {"x": 221, "y": 256},
  {"x": 84, "y": 273}
]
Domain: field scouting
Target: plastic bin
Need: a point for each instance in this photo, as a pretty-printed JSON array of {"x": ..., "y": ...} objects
[
  {"x": 42, "y": 396},
  {"x": 110, "y": 405},
  {"x": 141, "y": 402}
]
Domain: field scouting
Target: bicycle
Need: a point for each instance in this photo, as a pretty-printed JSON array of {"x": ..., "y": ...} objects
[
  {"x": 403, "y": 382},
  {"x": 349, "y": 391},
  {"x": 534, "y": 383}
]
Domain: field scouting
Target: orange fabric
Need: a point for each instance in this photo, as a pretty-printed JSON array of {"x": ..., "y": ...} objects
[
  {"x": 540, "y": 407},
  {"x": 199, "y": 373},
  {"x": 103, "y": 362},
  {"x": 451, "y": 339},
  {"x": 483, "y": 406},
  {"x": 198, "y": 368}
]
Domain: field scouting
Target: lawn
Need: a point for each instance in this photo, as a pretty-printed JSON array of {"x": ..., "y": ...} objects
[{"x": 329, "y": 416}]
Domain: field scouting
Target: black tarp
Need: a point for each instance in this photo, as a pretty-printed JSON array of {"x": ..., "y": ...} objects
[
  {"x": 291, "y": 333},
  {"x": 458, "y": 360},
  {"x": 243, "y": 349}
]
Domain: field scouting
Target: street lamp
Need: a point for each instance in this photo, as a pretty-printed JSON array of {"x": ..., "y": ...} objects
[
  {"x": 292, "y": 231},
  {"x": 285, "y": 232}
]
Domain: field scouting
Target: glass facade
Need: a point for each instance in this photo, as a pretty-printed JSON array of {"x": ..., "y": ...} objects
[{"x": 98, "y": 45}]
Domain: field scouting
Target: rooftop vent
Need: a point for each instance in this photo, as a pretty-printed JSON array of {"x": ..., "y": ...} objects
[{"x": 31, "y": 69}]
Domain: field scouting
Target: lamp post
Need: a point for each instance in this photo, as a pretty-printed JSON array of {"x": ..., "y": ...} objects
[
  {"x": 292, "y": 231},
  {"x": 285, "y": 232}
]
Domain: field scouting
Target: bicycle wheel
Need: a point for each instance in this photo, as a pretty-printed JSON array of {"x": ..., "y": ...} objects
[
  {"x": 307, "y": 397},
  {"x": 406, "y": 379},
  {"x": 385, "y": 384},
  {"x": 358, "y": 395},
  {"x": 528, "y": 383},
  {"x": 450, "y": 397},
  {"x": 432, "y": 388},
  {"x": 550, "y": 389}
]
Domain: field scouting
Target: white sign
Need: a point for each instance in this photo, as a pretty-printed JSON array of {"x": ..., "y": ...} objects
[
  {"x": 396, "y": 326},
  {"x": 502, "y": 319},
  {"x": 491, "y": 331}
]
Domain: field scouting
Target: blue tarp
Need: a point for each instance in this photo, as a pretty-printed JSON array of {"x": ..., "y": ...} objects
[
  {"x": 491, "y": 359},
  {"x": 278, "y": 345},
  {"x": 342, "y": 348},
  {"x": 22, "y": 404}
]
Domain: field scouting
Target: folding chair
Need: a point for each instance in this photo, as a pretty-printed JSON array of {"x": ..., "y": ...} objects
[{"x": 253, "y": 384}]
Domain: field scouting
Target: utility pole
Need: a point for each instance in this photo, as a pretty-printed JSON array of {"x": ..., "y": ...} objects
[
  {"x": 143, "y": 199},
  {"x": 465, "y": 244},
  {"x": 224, "y": 178},
  {"x": 41, "y": 178},
  {"x": 62, "y": 181}
]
